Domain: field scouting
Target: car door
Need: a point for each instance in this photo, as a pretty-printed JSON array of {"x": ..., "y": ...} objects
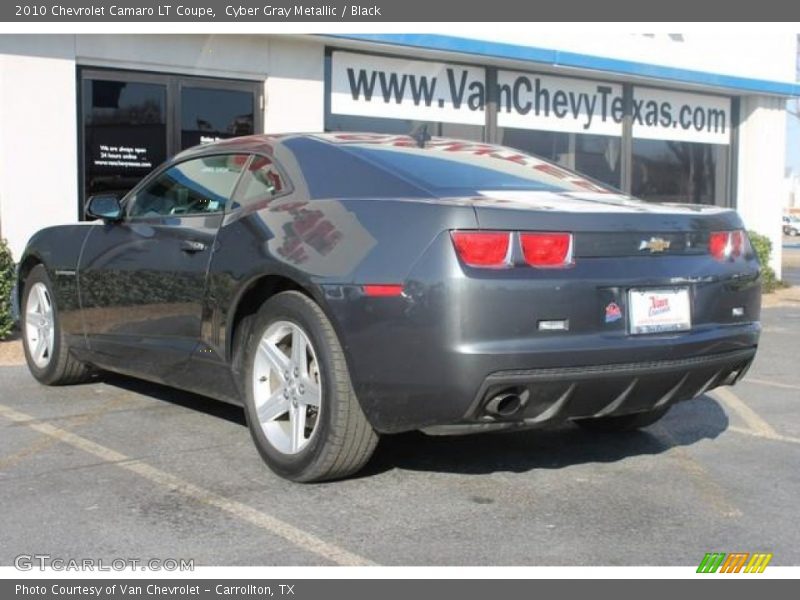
[{"x": 143, "y": 280}]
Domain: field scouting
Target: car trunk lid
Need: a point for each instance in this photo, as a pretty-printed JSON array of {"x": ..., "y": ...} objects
[{"x": 606, "y": 225}]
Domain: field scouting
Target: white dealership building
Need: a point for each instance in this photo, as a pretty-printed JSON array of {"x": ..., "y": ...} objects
[{"x": 694, "y": 118}]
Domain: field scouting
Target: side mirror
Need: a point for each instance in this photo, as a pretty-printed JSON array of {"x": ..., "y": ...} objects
[{"x": 104, "y": 206}]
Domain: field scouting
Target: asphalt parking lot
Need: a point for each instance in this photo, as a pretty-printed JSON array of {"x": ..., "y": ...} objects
[{"x": 121, "y": 468}]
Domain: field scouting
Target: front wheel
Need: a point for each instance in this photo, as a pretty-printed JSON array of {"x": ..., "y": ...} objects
[
  {"x": 46, "y": 348},
  {"x": 301, "y": 409},
  {"x": 623, "y": 423}
]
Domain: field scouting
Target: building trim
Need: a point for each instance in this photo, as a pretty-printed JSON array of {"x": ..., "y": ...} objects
[{"x": 573, "y": 60}]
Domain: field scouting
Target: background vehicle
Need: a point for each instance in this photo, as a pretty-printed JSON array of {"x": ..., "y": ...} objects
[
  {"x": 791, "y": 225},
  {"x": 340, "y": 286}
]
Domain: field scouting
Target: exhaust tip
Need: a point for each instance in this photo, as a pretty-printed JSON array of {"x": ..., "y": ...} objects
[{"x": 504, "y": 404}]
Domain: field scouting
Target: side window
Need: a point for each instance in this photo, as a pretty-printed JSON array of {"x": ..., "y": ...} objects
[
  {"x": 198, "y": 186},
  {"x": 261, "y": 181}
]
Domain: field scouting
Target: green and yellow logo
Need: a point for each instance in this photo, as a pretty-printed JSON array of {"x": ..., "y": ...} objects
[{"x": 736, "y": 562}]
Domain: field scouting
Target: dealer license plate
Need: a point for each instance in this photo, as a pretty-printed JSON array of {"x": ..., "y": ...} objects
[{"x": 659, "y": 311}]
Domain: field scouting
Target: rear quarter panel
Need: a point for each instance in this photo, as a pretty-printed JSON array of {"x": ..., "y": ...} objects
[{"x": 323, "y": 244}]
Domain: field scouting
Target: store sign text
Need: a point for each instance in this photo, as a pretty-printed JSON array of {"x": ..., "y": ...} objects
[{"x": 374, "y": 86}]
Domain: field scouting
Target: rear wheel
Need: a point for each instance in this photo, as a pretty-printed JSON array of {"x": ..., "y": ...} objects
[
  {"x": 301, "y": 409},
  {"x": 623, "y": 423},
  {"x": 46, "y": 348}
]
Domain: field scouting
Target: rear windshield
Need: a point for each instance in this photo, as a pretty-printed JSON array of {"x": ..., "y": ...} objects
[
  {"x": 394, "y": 166},
  {"x": 461, "y": 169},
  {"x": 449, "y": 177}
]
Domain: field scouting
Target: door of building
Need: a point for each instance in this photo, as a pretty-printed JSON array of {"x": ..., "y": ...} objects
[{"x": 131, "y": 122}]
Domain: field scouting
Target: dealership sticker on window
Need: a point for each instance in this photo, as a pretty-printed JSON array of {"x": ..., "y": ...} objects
[{"x": 659, "y": 311}]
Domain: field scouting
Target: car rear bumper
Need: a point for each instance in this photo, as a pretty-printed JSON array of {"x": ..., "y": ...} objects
[{"x": 547, "y": 395}]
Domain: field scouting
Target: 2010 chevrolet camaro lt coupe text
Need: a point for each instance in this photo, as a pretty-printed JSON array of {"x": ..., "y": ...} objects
[{"x": 340, "y": 286}]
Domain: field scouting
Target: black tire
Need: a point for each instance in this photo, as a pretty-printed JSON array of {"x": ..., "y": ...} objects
[
  {"x": 62, "y": 367},
  {"x": 343, "y": 440},
  {"x": 622, "y": 423}
]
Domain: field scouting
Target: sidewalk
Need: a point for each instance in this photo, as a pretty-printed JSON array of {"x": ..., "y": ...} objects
[
  {"x": 11, "y": 353},
  {"x": 786, "y": 297}
]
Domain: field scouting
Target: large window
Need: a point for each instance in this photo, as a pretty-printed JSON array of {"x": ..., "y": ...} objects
[
  {"x": 124, "y": 132},
  {"x": 551, "y": 145},
  {"x": 663, "y": 145},
  {"x": 598, "y": 156},
  {"x": 211, "y": 114},
  {"x": 670, "y": 171},
  {"x": 132, "y": 122}
]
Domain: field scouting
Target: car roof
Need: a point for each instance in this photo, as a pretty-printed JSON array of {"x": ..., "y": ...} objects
[
  {"x": 351, "y": 146},
  {"x": 265, "y": 143}
]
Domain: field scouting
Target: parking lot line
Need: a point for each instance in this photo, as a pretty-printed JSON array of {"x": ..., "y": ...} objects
[
  {"x": 45, "y": 442},
  {"x": 758, "y": 427},
  {"x": 290, "y": 533},
  {"x": 777, "y": 438},
  {"x": 785, "y": 386},
  {"x": 748, "y": 415}
]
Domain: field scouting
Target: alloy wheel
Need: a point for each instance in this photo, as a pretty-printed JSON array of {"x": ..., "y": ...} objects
[
  {"x": 40, "y": 325},
  {"x": 287, "y": 388}
]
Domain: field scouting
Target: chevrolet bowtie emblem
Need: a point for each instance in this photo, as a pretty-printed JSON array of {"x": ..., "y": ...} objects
[{"x": 654, "y": 244}]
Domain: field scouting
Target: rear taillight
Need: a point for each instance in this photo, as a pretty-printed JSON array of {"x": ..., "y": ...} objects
[
  {"x": 726, "y": 245},
  {"x": 487, "y": 249},
  {"x": 547, "y": 249},
  {"x": 718, "y": 243},
  {"x": 494, "y": 250},
  {"x": 737, "y": 243}
]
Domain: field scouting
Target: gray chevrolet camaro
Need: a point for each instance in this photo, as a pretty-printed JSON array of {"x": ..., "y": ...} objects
[{"x": 340, "y": 286}]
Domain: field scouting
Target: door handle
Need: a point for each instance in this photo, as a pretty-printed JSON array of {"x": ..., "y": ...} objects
[{"x": 191, "y": 246}]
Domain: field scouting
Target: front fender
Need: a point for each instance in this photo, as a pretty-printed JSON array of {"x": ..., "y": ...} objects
[{"x": 58, "y": 249}]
